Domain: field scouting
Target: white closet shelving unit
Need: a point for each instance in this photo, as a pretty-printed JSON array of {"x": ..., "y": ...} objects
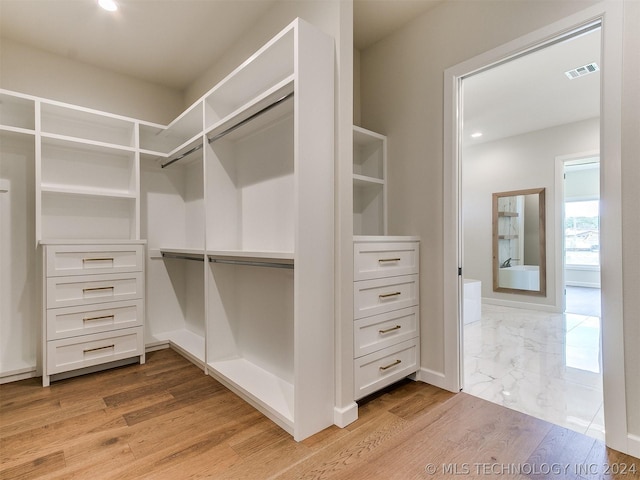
[
  {"x": 18, "y": 318},
  {"x": 240, "y": 209},
  {"x": 369, "y": 182},
  {"x": 235, "y": 202}
]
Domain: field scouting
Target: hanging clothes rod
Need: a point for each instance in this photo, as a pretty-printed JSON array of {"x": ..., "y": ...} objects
[
  {"x": 181, "y": 156},
  {"x": 251, "y": 263},
  {"x": 230, "y": 129},
  {"x": 251, "y": 117},
  {"x": 182, "y": 256}
]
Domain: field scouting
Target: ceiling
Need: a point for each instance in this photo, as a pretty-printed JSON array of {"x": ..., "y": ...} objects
[
  {"x": 164, "y": 41},
  {"x": 532, "y": 92}
]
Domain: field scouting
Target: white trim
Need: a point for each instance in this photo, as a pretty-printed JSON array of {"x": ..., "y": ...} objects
[
  {"x": 610, "y": 14},
  {"x": 437, "y": 379},
  {"x": 345, "y": 415},
  {"x": 634, "y": 445},
  {"x": 528, "y": 306}
]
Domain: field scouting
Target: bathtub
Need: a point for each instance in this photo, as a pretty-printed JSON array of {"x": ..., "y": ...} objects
[{"x": 522, "y": 277}]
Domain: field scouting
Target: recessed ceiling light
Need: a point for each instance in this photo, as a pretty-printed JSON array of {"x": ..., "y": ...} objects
[
  {"x": 476, "y": 135},
  {"x": 109, "y": 5}
]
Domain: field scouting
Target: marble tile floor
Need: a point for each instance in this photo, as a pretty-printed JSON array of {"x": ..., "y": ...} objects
[{"x": 543, "y": 364}]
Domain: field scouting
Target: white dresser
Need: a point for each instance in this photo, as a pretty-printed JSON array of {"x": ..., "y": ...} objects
[
  {"x": 93, "y": 302},
  {"x": 386, "y": 311}
]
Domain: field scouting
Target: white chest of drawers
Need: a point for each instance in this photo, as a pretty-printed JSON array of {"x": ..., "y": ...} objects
[
  {"x": 386, "y": 311},
  {"x": 93, "y": 301}
]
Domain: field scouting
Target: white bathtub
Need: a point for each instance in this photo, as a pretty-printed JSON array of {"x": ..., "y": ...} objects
[
  {"x": 522, "y": 277},
  {"x": 472, "y": 294}
]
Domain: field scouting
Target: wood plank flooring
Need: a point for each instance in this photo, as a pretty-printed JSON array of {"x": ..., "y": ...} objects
[{"x": 167, "y": 420}]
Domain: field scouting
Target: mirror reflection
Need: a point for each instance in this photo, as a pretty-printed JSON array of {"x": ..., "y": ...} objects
[{"x": 519, "y": 258}]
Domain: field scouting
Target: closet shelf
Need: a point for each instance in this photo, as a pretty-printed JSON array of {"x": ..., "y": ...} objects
[
  {"x": 259, "y": 386},
  {"x": 366, "y": 181},
  {"x": 57, "y": 138},
  {"x": 8, "y": 129},
  {"x": 86, "y": 191},
  {"x": 188, "y": 342},
  {"x": 252, "y": 109},
  {"x": 266, "y": 259},
  {"x": 183, "y": 253}
]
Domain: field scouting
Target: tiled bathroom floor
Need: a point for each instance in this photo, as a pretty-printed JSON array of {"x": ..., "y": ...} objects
[{"x": 544, "y": 364}]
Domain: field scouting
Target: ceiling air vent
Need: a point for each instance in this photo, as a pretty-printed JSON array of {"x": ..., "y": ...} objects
[{"x": 582, "y": 71}]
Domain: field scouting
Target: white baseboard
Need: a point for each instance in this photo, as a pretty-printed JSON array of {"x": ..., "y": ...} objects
[
  {"x": 344, "y": 416},
  {"x": 437, "y": 379},
  {"x": 17, "y": 375},
  {"x": 526, "y": 305},
  {"x": 634, "y": 445},
  {"x": 583, "y": 284}
]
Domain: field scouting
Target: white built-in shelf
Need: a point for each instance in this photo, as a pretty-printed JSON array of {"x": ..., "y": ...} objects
[
  {"x": 84, "y": 143},
  {"x": 252, "y": 107},
  {"x": 365, "y": 181},
  {"x": 86, "y": 191},
  {"x": 17, "y": 112},
  {"x": 84, "y": 124},
  {"x": 283, "y": 258},
  {"x": 369, "y": 182},
  {"x": 259, "y": 386},
  {"x": 188, "y": 342},
  {"x": 6, "y": 130}
]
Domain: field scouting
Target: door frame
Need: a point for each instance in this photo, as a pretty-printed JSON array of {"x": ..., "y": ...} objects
[{"x": 610, "y": 16}]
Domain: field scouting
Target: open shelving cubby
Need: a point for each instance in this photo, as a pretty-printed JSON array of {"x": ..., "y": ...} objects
[
  {"x": 369, "y": 182},
  {"x": 174, "y": 207},
  {"x": 17, "y": 113},
  {"x": 269, "y": 230}
]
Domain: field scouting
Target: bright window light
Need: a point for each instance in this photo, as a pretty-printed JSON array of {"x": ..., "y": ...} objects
[
  {"x": 476, "y": 135},
  {"x": 109, "y": 5}
]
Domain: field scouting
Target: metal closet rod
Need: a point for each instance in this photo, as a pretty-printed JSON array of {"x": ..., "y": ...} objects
[
  {"x": 182, "y": 256},
  {"x": 251, "y": 263},
  {"x": 231, "y": 128}
]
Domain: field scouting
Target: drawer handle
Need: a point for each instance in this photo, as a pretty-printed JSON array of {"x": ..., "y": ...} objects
[
  {"x": 95, "y": 289},
  {"x": 387, "y": 295},
  {"x": 397, "y": 362},
  {"x": 97, "y": 259},
  {"x": 389, "y": 260},
  {"x": 103, "y": 317},
  {"x": 87, "y": 350},
  {"x": 397, "y": 327}
]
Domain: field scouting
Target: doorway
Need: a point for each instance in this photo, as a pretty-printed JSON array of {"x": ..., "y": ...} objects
[{"x": 523, "y": 351}]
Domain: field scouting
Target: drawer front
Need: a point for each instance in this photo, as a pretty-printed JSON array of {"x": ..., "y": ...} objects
[
  {"x": 382, "y": 331},
  {"x": 64, "y": 260},
  {"x": 379, "y": 369},
  {"x": 73, "y": 321},
  {"x": 372, "y": 297},
  {"x": 89, "y": 350},
  {"x": 377, "y": 260},
  {"x": 90, "y": 289}
]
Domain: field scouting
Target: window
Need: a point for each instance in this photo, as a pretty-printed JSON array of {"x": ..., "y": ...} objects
[{"x": 582, "y": 233}]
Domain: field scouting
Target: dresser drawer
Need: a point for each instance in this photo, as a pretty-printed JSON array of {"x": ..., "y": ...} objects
[
  {"x": 64, "y": 260},
  {"x": 372, "y": 297},
  {"x": 377, "y": 260},
  {"x": 382, "y": 368},
  {"x": 90, "y": 289},
  {"x": 73, "y": 321},
  {"x": 89, "y": 350},
  {"x": 381, "y": 331}
]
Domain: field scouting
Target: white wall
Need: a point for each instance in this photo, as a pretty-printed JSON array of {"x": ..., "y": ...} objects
[
  {"x": 35, "y": 72},
  {"x": 515, "y": 163},
  {"x": 402, "y": 95}
]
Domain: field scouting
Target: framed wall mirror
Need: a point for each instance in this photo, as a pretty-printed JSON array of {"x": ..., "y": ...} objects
[{"x": 519, "y": 255}]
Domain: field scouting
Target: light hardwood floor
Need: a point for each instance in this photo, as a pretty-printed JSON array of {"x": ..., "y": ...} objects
[{"x": 167, "y": 420}]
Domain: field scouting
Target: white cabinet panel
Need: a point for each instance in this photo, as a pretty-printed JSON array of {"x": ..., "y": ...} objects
[
  {"x": 93, "y": 259},
  {"x": 381, "y": 331},
  {"x": 88, "y": 289},
  {"x": 375, "y": 260}
]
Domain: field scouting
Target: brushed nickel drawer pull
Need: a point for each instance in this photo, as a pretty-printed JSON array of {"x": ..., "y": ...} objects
[
  {"x": 387, "y": 295},
  {"x": 98, "y": 259},
  {"x": 397, "y": 362},
  {"x": 389, "y": 260},
  {"x": 87, "y": 350},
  {"x": 102, "y": 317},
  {"x": 397, "y": 327},
  {"x": 95, "y": 289}
]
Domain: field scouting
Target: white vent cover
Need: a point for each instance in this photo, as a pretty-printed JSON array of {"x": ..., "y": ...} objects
[{"x": 582, "y": 71}]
